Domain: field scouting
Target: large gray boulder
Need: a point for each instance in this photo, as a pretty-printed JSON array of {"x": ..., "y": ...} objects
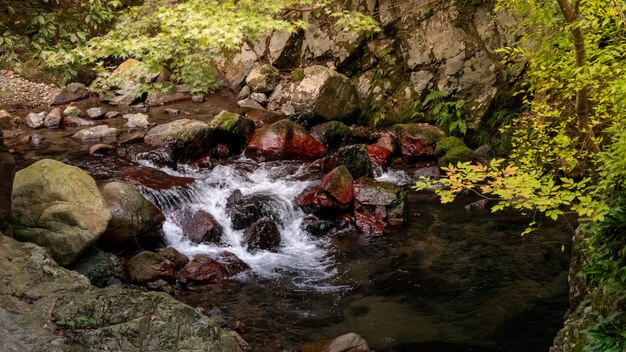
[
  {"x": 134, "y": 220},
  {"x": 7, "y": 172},
  {"x": 59, "y": 207},
  {"x": 39, "y": 301},
  {"x": 325, "y": 93}
]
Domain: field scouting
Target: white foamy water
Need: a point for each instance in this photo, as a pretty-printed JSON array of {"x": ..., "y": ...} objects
[{"x": 300, "y": 255}]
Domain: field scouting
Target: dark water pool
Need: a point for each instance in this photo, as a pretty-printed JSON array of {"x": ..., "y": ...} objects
[{"x": 451, "y": 281}]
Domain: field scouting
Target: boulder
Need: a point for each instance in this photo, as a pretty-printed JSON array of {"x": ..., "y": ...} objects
[
  {"x": 249, "y": 104},
  {"x": 59, "y": 207},
  {"x": 73, "y": 92},
  {"x": 54, "y": 118},
  {"x": 199, "y": 226},
  {"x": 96, "y": 134},
  {"x": 35, "y": 120},
  {"x": 138, "y": 120},
  {"x": 378, "y": 155},
  {"x": 246, "y": 210},
  {"x": 387, "y": 141},
  {"x": 380, "y": 207},
  {"x": 284, "y": 140},
  {"x": 161, "y": 157},
  {"x": 333, "y": 134},
  {"x": 73, "y": 111},
  {"x": 7, "y": 173},
  {"x": 134, "y": 220},
  {"x": 96, "y": 113},
  {"x": 122, "y": 87},
  {"x": 284, "y": 49},
  {"x": 232, "y": 263},
  {"x": 325, "y": 93},
  {"x": 452, "y": 150},
  {"x": 204, "y": 269},
  {"x": 147, "y": 266},
  {"x": 146, "y": 178},
  {"x": 417, "y": 140},
  {"x": 263, "y": 234},
  {"x": 355, "y": 158},
  {"x": 71, "y": 121},
  {"x": 316, "y": 226},
  {"x": 314, "y": 200},
  {"x": 178, "y": 259},
  {"x": 188, "y": 139},
  {"x": 338, "y": 183},
  {"x": 263, "y": 79},
  {"x": 345, "y": 343},
  {"x": 99, "y": 267},
  {"x": 231, "y": 129}
]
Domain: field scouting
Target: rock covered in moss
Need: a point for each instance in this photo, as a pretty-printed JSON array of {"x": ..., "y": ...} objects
[
  {"x": 333, "y": 134},
  {"x": 456, "y": 154},
  {"x": 59, "y": 207},
  {"x": 188, "y": 139},
  {"x": 417, "y": 140},
  {"x": 231, "y": 129},
  {"x": 446, "y": 144},
  {"x": 355, "y": 158}
]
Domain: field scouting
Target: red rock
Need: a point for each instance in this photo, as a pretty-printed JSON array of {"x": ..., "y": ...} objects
[
  {"x": 416, "y": 146},
  {"x": 178, "y": 259},
  {"x": 232, "y": 263},
  {"x": 148, "y": 178},
  {"x": 204, "y": 269},
  {"x": 387, "y": 141},
  {"x": 380, "y": 207},
  {"x": 378, "y": 155},
  {"x": 338, "y": 183},
  {"x": 200, "y": 227},
  {"x": 149, "y": 266},
  {"x": 284, "y": 140},
  {"x": 314, "y": 200}
]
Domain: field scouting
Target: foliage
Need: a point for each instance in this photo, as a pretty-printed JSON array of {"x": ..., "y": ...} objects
[
  {"x": 449, "y": 114},
  {"x": 192, "y": 37},
  {"x": 29, "y": 28}
]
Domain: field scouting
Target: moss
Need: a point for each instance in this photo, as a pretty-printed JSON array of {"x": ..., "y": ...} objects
[
  {"x": 297, "y": 75},
  {"x": 224, "y": 121},
  {"x": 446, "y": 144},
  {"x": 456, "y": 154}
]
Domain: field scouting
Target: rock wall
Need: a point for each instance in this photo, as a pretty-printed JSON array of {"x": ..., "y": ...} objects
[
  {"x": 425, "y": 45},
  {"x": 7, "y": 172}
]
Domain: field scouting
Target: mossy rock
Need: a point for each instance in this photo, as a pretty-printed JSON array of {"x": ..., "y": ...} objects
[
  {"x": 297, "y": 75},
  {"x": 456, "y": 154},
  {"x": 432, "y": 134},
  {"x": 446, "y": 144}
]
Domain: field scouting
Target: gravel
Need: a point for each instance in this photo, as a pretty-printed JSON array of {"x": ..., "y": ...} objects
[{"x": 18, "y": 93}]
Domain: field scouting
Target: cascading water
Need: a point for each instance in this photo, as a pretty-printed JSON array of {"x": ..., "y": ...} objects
[{"x": 300, "y": 256}]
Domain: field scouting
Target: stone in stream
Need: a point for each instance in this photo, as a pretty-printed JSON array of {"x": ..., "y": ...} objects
[
  {"x": 7, "y": 173},
  {"x": 54, "y": 118},
  {"x": 35, "y": 120},
  {"x": 333, "y": 134},
  {"x": 178, "y": 259},
  {"x": 284, "y": 140},
  {"x": 231, "y": 130},
  {"x": 150, "y": 179},
  {"x": 199, "y": 226},
  {"x": 378, "y": 155},
  {"x": 418, "y": 140},
  {"x": 249, "y": 104},
  {"x": 59, "y": 207},
  {"x": 188, "y": 139},
  {"x": 96, "y": 113},
  {"x": 161, "y": 157},
  {"x": 204, "y": 269},
  {"x": 111, "y": 114},
  {"x": 345, "y": 343},
  {"x": 149, "y": 266},
  {"x": 380, "y": 207},
  {"x": 135, "y": 222},
  {"x": 172, "y": 112},
  {"x": 263, "y": 79},
  {"x": 354, "y": 157},
  {"x": 73, "y": 111},
  {"x": 246, "y": 210},
  {"x": 314, "y": 200},
  {"x": 97, "y": 133},
  {"x": 72, "y": 121},
  {"x": 137, "y": 120},
  {"x": 100, "y": 148},
  {"x": 263, "y": 234},
  {"x": 326, "y": 94},
  {"x": 338, "y": 183}
]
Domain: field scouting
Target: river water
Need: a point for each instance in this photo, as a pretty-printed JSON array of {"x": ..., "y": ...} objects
[{"x": 451, "y": 280}]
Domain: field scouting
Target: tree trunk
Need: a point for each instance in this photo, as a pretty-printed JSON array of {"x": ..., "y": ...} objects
[{"x": 582, "y": 95}]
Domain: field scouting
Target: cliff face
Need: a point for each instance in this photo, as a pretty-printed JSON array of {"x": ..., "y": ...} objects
[{"x": 425, "y": 45}]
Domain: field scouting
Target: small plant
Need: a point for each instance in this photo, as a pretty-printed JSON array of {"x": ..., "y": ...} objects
[{"x": 449, "y": 114}]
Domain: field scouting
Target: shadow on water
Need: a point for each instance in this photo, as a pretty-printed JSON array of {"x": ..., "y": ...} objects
[{"x": 451, "y": 281}]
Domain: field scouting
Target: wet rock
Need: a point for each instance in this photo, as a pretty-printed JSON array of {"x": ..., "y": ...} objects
[
  {"x": 378, "y": 155},
  {"x": 388, "y": 141},
  {"x": 263, "y": 117},
  {"x": 7, "y": 173},
  {"x": 137, "y": 120},
  {"x": 73, "y": 92},
  {"x": 35, "y": 120},
  {"x": 259, "y": 98},
  {"x": 149, "y": 266},
  {"x": 316, "y": 226},
  {"x": 345, "y": 343},
  {"x": 99, "y": 267},
  {"x": 333, "y": 134},
  {"x": 178, "y": 259},
  {"x": 232, "y": 263},
  {"x": 431, "y": 172},
  {"x": 249, "y": 104},
  {"x": 200, "y": 226},
  {"x": 380, "y": 207},
  {"x": 204, "y": 269},
  {"x": 246, "y": 210},
  {"x": 71, "y": 121},
  {"x": 97, "y": 133},
  {"x": 54, "y": 118},
  {"x": 263, "y": 79},
  {"x": 231, "y": 129},
  {"x": 263, "y": 234},
  {"x": 284, "y": 140},
  {"x": 355, "y": 158},
  {"x": 314, "y": 200},
  {"x": 132, "y": 137},
  {"x": 156, "y": 97},
  {"x": 417, "y": 139},
  {"x": 100, "y": 149},
  {"x": 58, "y": 207},
  {"x": 338, "y": 183},
  {"x": 188, "y": 139},
  {"x": 161, "y": 157},
  {"x": 96, "y": 113},
  {"x": 73, "y": 111},
  {"x": 145, "y": 178},
  {"x": 135, "y": 222},
  {"x": 325, "y": 93},
  {"x": 172, "y": 112},
  {"x": 111, "y": 114}
]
